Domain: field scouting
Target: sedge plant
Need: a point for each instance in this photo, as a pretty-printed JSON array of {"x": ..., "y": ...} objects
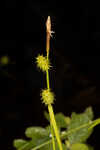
[
  {"x": 47, "y": 95},
  {"x": 63, "y": 132}
]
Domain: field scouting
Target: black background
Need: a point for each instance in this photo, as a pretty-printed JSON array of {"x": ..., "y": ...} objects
[{"x": 75, "y": 76}]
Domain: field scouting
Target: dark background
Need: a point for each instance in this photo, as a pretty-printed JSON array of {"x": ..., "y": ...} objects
[{"x": 75, "y": 77}]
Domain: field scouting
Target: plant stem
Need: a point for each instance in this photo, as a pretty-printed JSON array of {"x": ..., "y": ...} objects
[
  {"x": 52, "y": 118},
  {"x": 53, "y": 138},
  {"x": 50, "y": 108},
  {"x": 48, "y": 85}
]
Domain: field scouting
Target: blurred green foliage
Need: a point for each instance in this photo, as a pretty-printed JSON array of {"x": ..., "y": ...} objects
[{"x": 74, "y": 131}]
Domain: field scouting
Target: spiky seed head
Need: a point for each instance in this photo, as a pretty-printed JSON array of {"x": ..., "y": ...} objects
[
  {"x": 42, "y": 63},
  {"x": 47, "y": 96}
]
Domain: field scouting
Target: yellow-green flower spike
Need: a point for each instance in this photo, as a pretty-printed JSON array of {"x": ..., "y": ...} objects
[
  {"x": 42, "y": 63},
  {"x": 47, "y": 96}
]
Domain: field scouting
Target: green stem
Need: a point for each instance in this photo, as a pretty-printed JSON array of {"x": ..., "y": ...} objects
[
  {"x": 47, "y": 74},
  {"x": 52, "y": 118},
  {"x": 48, "y": 86},
  {"x": 53, "y": 138}
]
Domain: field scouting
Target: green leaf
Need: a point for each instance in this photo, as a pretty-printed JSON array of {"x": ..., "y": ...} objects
[
  {"x": 79, "y": 146},
  {"x": 36, "y": 132},
  {"x": 67, "y": 120},
  {"x": 82, "y": 134},
  {"x": 19, "y": 142},
  {"x": 43, "y": 142},
  {"x": 79, "y": 129},
  {"x": 61, "y": 120},
  {"x": 38, "y": 135},
  {"x": 89, "y": 112}
]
